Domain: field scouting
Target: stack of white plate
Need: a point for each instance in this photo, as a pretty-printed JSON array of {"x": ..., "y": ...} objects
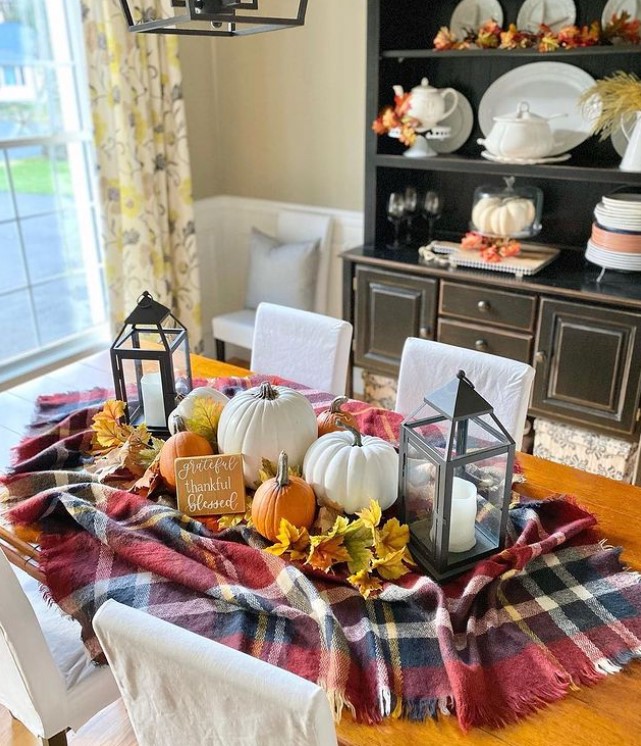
[{"x": 616, "y": 235}]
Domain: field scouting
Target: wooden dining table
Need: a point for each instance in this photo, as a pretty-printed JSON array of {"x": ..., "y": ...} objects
[{"x": 607, "y": 714}]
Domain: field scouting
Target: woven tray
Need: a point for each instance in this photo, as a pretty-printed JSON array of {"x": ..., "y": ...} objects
[{"x": 532, "y": 259}]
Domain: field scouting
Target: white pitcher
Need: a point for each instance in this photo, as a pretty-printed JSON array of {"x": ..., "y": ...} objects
[{"x": 632, "y": 156}]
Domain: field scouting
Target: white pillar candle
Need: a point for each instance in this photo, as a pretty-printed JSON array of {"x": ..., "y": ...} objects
[
  {"x": 463, "y": 515},
  {"x": 152, "y": 400}
]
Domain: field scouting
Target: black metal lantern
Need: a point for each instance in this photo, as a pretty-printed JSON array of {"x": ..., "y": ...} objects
[
  {"x": 150, "y": 363},
  {"x": 215, "y": 17},
  {"x": 455, "y": 479}
]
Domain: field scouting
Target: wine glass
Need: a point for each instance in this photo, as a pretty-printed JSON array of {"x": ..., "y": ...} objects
[
  {"x": 432, "y": 210},
  {"x": 410, "y": 202},
  {"x": 395, "y": 214}
]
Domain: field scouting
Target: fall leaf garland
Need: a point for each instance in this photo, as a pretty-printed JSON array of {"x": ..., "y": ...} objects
[
  {"x": 621, "y": 29},
  {"x": 112, "y": 433},
  {"x": 370, "y": 551}
]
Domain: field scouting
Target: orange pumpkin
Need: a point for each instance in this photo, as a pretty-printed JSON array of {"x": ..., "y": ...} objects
[
  {"x": 180, "y": 445},
  {"x": 283, "y": 496},
  {"x": 335, "y": 418}
]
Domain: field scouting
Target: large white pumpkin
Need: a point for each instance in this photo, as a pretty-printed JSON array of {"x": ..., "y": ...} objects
[
  {"x": 263, "y": 421},
  {"x": 351, "y": 469}
]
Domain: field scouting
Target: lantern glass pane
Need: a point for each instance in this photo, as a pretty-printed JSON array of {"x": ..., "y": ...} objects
[
  {"x": 435, "y": 435},
  {"x": 132, "y": 372},
  {"x": 180, "y": 361},
  {"x": 419, "y": 489},
  {"x": 477, "y": 506}
]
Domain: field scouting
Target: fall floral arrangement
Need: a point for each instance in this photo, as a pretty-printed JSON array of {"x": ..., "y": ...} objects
[
  {"x": 370, "y": 551},
  {"x": 396, "y": 118},
  {"x": 491, "y": 248},
  {"x": 621, "y": 29},
  {"x": 613, "y": 98}
]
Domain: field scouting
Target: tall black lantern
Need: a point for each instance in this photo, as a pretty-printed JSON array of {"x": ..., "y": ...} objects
[
  {"x": 150, "y": 363},
  {"x": 455, "y": 479}
]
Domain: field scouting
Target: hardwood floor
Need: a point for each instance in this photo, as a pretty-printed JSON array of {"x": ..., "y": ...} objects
[{"x": 110, "y": 727}]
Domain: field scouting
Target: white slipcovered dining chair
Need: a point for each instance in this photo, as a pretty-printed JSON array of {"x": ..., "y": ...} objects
[
  {"x": 306, "y": 347},
  {"x": 47, "y": 680},
  {"x": 294, "y": 227},
  {"x": 181, "y": 688},
  {"x": 506, "y": 384}
]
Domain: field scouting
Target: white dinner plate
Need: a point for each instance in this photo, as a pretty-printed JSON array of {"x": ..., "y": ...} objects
[
  {"x": 625, "y": 200},
  {"x": 470, "y": 14},
  {"x": 550, "y": 88},
  {"x": 553, "y": 13},
  {"x": 614, "y": 259},
  {"x": 633, "y": 7},
  {"x": 525, "y": 161},
  {"x": 461, "y": 121}
]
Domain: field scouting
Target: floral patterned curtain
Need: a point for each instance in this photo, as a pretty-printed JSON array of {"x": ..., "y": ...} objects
[{"x": 144, "y": 173}]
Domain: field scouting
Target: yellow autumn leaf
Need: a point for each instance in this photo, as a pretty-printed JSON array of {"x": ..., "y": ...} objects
[
  {"x": 358, "y": 539},
  {"x": 391, "y": 566},
  {"x": 371, "y": 515},
  {"x": 109, "y": 431},
  {"x": 113, "y": 409},
  {"x": 326, "y": 551},
  {"x": 291, "y": 539},
  {"x": 230, "y": 520},
  {"x": 391, "y": 537},
  {"x": 268, "y": 471},
  {"x": 204, "y": 417},
  {"x": 365, "y": 583}
]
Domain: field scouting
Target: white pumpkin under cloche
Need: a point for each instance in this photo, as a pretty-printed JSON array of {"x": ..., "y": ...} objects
[
  {"x": 263, "y": 421},
  {"x": 507, "y": 212},
  {"x": 351, "y": 469},
  {"x": 184, "y": 410}
]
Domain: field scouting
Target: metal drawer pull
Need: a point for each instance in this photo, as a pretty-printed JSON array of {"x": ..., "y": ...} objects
[
  {"x": 539, "y": 357},
  {"x": 484, "y": 305},
  {"x": 481, "y": 345},
  {"x": 423, "y": 332}
]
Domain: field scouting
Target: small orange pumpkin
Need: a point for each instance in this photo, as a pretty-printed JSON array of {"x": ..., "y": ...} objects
[
  {"x": 181, "y": 444},
  {"x": 335, "y": 418},
  {"x": 283, "y": 496}
]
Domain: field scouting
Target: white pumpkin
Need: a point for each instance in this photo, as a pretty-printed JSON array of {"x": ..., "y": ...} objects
[
  {"x": 184, "y": 410},
  {"x": 503, "y": 217},
  {"x": 351, "y": 469},
  {"x": 263, "y": 421}
]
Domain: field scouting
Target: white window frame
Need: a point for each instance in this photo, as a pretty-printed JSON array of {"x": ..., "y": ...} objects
[{"x": 64, "y": 18}]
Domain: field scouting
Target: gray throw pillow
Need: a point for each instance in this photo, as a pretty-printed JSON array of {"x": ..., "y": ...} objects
[{"x": 281, "y": 273}]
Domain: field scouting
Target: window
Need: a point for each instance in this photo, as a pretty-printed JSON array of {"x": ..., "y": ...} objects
[{"x": 52, "y": 294}]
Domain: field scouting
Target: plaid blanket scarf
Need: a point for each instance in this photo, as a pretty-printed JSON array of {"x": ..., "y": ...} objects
[{"x": 553, "y": 611}]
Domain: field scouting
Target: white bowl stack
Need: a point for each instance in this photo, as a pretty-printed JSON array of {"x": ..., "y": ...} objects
[{"x": 616, "y": 235}]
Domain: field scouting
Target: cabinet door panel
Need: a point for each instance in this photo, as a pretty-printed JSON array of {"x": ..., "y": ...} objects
[
  {"x": 389, "y": 308},
  {"x": 588, "y": 365}
]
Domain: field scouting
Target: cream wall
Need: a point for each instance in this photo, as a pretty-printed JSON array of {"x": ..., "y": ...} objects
[{"x": 281, "y": 116}]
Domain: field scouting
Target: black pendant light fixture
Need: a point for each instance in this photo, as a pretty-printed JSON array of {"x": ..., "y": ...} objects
[{"x": 215, "y": 17}]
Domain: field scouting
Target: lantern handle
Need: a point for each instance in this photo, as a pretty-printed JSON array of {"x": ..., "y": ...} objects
[
  {"x": 461, "y": 375},
  {"x": 145, "y": 299}
]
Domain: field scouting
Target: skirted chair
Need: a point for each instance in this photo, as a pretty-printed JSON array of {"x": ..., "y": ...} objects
[
  {"x": 306, "y": 347},
  {"x": 291, "y": 269},
  {"x": 47, "y": 680},
  {"x": 506, "y": 384},
  {"x": 180, "y": 688}
]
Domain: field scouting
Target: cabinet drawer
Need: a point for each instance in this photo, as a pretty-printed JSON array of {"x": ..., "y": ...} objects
[
  {"x": 487, "y": 306},
  {"x": 494, "y": 341}
]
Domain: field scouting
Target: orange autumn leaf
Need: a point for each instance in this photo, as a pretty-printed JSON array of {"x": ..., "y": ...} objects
[
  {"x": 327, "y": 551},
  {"x": 365, "y": 583},
  {"x": 290, "y": 539}
]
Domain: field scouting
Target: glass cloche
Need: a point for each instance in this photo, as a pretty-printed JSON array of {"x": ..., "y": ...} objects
[{"x": 509, "y": 212}]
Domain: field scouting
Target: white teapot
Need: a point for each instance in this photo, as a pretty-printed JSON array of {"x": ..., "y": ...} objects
[
  {"x": 521, "y": 135},
  {"x": 427, "y": 104}
]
